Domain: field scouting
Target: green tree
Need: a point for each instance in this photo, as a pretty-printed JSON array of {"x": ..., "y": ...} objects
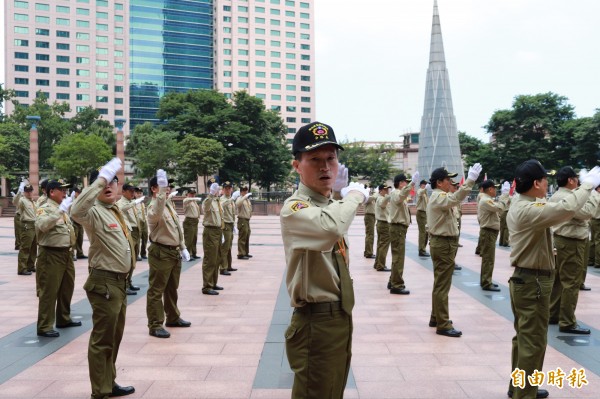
[
  {"x": 153, "y": 149},
  {"x": 76, "y": 155},
  {"x": 15, "y": 155},
  {"x": 5, "y": 95},
  {"x": 198, "y": 157},
  {"x": 89, "y": 121},
  {"x": 275, "y": 168},
  {"x": 370, "y": 163}
]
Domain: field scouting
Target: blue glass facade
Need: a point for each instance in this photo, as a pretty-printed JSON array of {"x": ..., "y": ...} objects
[{"x": 171, "y": 49}]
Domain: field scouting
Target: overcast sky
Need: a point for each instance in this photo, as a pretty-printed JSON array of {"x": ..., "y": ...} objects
[{"x": 372, "y": 58}]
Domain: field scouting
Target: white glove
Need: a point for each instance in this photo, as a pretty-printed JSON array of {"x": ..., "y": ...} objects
[
  {"x": 161, "y": 178},
  {"x": 222, "y": 238},
  {"x": 593, "y": 177},
  {"x": 474, "y": 171},
  {"x": 65, "y": 204},
  {"x": 73, "y": 196},
  {"x": 505, "y": 188},
  {"x": 21, "y": 187},
  {"x": 214, "y": 189},
  {"x": 199, "y": 199},
  {"x": 235, "y": 230},
  {"x": 185, "y": 255},
  {"x": 139, "y": 200},
  {"x": 416, "y": 178},
  {"x": 356, "y": 187},
  {"x": 428, "y": 186},
  {"x": 174, "y": 193},
  {"x": 235, "y": 195},
  {"x": 582, "y": 174},
  {"x": 247, "y": 195},
  {"x": 341, "y": 180},
  {"x": 109, "y": 171}
]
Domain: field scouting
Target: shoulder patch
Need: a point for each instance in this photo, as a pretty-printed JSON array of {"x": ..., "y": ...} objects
[
  {"x": 443, "y": 194},
  {"x": 491, "y": 202},
  {"x": 40, "y": 211},
  {"x": 297, "y": 205},
  {"x": 539, "y": 203}
]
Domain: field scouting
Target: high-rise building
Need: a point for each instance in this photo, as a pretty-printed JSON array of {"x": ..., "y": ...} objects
[
  {"x": 267, "y": 48},
  {"x": 438, "y": 141},
  {"x": 75, "y": 51},
  {"x": 171, "y": 51}
]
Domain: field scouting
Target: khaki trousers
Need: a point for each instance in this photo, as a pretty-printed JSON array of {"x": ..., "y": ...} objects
[
  {"x": 78, "y": 239},
  {"x": 27, "y": 248},
  {"x": 422, "y": 223},
  {"x": 570, "y": 256},
  {"x": 504, "y": 234},
  {"x": 17, "y": 227},
  {"x": 443, "y": 254},
  {"x": 369, "y": 234},
  {"x": 225, "y": 248},
  {"x": 190, "y": 234},
  {"x": 398, "y": 245},
  {"x": 143, "y": 238},
  {"x": 383, "y": 244},
  {"x": 211, "y": 243},
  {"x": 165, "y": 271},
  {"x": 243, "y": 227},
  {"x": 487, "y": 244}
]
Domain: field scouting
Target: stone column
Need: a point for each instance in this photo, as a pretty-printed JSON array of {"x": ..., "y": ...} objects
[
  {"x": 34, "y": 160},
  {"x": 119, "y": 122}
]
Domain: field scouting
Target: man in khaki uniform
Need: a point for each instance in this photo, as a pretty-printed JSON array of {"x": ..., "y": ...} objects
[
  {"x": 443, "y": 233},
  {"x": 127, "y": 204},
  {"x": 142, "y": 218},
  {"x": 570, "y": 240},
  {"x": 28, "y": 242},
  {"x": 399, "y": 219},
  {"x": 479, "y": 196},
  {"x": 488, "y": 212},
  {"x": 44, "y": 197},
  {"x": 594, "y": 257},
  {"x": 529, "y": 220},
  {"x": 166, "y": 251},
  {"x": 191, "y": 210},
  {"x": 228, "y": 209},
  {"x": 313, "y": 228},
  {"x": 211, "y": 240},
  {"x": 17, "y": 219},
  {"x": 383, "y": 228},
  {"x": 370, "y": 225},
  {"x": 244, "y": 210},
  {"x": 504, "y": 236},
  {"x": 78, "y": 248},
  {"x": 111, "y": 260},
  {"x": 55, "y": 269},
  {"x": 422, "y": 200}
]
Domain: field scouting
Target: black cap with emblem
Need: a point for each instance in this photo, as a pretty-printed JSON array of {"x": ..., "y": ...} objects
[{"x": 314, "y": 135}]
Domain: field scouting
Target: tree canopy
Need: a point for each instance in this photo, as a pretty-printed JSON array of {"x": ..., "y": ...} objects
[{"x": 76, "y": 155}]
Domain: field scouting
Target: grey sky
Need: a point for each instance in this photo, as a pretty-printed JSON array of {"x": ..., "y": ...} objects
[{"x": 372, "y": 57}]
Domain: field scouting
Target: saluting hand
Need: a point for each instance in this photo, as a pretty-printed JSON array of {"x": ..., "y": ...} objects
[
  {"x": 235, "y": 195},
  {"x": 341, "y": 180},
  {"x": 474, "y": 171},
  {"x": 161, "y": 178},
  {"x": 140, "y": 200},
  {"x": 174, "y": 193},
  {"x": 355, "y": 187},
  {"x": 65, "y": 204},
  {"x": 593, "y": 177},
  {"x": 214, "y": 189},
  {"x": 505, "y": 188},
  {"x": 416, "y": 178},
  {"x": 109, "y": 171}
]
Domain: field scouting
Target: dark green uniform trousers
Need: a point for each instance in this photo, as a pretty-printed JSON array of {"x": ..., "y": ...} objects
[
  {"x": 503, "y": 230},
  {"x": 225, "y": 248},
  {"x": 319, "y": 349},
  {"x": 422, "y": 223},
  {"x": 243, "y": 227},
  {"x": 369, "y": 234},
  {"x": 443, "y": 254},
  {"x": 530, "y": 302},
  {"x": 190, "y": 234},
  {"x": 570, "y": 256},
  {"x": 78, "y": 239},
  {"x": 56, "y": 279},
  {"x": 487, "y": 244},
  {"x": 27, "y": 248},
  {"x": 398, "y": 245},
  {"x": 17, "y": 226},
  {"x": 143, "y": 238},
  {"x": 106, "y": 292},
  {"x": 165, "y": 270},
  {"x": 135, "y": 238},
  {"x": 595, "y": 242},
  {"x": 383, "y": 244},
  {"x": 211, "y": 244}
]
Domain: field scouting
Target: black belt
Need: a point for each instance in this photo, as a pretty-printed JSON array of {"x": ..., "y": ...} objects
[
  {"x": 109, "y": 274},
  {"x": 212, "y": 227},
  {"x": 382, "y": 221},
  {"x": 490, "y": 229},
  {"x": 28, "y": 221},
  {"x": 62, "y": 249},
  {"x": 444, "y": 237},
  {"x": 320, "y": 307},
  {"x": 535, "y": 272},
  {"x": 171, "y": 247}
]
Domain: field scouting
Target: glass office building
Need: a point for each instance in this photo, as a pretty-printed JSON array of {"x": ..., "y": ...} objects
[{"x": 171, "y": 51}]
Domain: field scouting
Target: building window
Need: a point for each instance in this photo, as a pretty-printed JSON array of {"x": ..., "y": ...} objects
[
  {"x": 304, "y": 15},
  {"x": 275, "y": 43},
  {"x": 21, "y": 93},
  {"x": 102, "y": 3},
  {"x": 227, "y": 8},
  {"x": 275, "y": 54},
  {"x": 118, "y": 53},
  {"x": 101, "y": 39},
  {"x": 260, "y": 74},
  {"x": 259, "y": 9},
  {"x": 42, "y": 7},
  {"x": 83, "y": 48},
  {"x": 40, "y": 69},
  {"x": 21, "y": 68},
  {"x": 42, "y": 57},
  {"x": 305, "y": 120},
  {"x": 226, "y": 19},
  {"x": 21, "y": 56},
  {"x": 118, "y": 42},
  {"x": 243, "y": 20},
  {"x": 102, "y": 86},
  {"x": 42, "y": 20},
  {"x": 42, "y": 32},
  {"x": 304, "y": 5},
  {"x": 276, "y": 108},
  {"x": 101, "y": 15},
  {"x": 226, "y": 51},
  {"x": 21, "y": 4},
  {"x": 102, "y": 99},
  {"x": 290, "y": 3},
  {"x": 63, "y": 58},
  {"x": 305, "y": 78},
  {"x": 305, "y": 99},
  {"x": 83, "y": 97},
  {"x": 242, "y": 9},
  {"x": 290, "y": 88},
  {"x": 243, "y": 74},
  {"x": 260, "y": 63},
  {"x": 83, "y": 85},
  {"x": 102, "y": 63},
  {"x": 290, "y": 14},
  {"x": 290, "y": 66},
  {"x": 227, "y": 73},
  {"x": 305, "y": 110},
  {"x": 276, "y": 97},
  {"x": 23, "y": 29},
  {"x": 21, "y": 43},
  {"x": 305, "y": 67},
  {"x": 62, "y": 46},
  {"x": 260, "y": 53},
  {"x": 118, "y": 65},
  {"x": 118, "y": 112},
  {"x": 62, "y": 96},
  {"x": 275, "y": 33},
  {"x": 243, "y": 30},
  {"x": 275, "y": 75},
  {"x": 82, "y": 36},
  {"x": 62, "y": 22},
  {"x": 118, "y": 89},
  {"x": 275, "y": 11},
  {"x": 83, "y": 24},
  {"x": 227, "y": 84},
  {"x": 83, "y": 72},
  {"x": 242, "y": 52},
  {"x": 118, "y": 76},
  {"x": 82, "y": 60},
  {"x": 83, "y": 11},
  {"x": 290, "y": 35},
  {"x": 42, "y": 82},
  {"x": 226, "y": 40},
  {"x": 118, "y": 101},
  {"x": 21, "y": 81},
  {"x": 290, "y": 56},
  {"x": 261, "y": 96},
  {"x": 275, "y": 86},
  {"x": 304, "y": 88},
  {"x": 42, "y": 44},
  {"x": 101, "y": 51},
  {"x": 63, "y": 9},
  {"x": 259, "y": 21},
  {"x": 290, "y": 108},
  {"x": 260, "y": 42},
  {"x": 118, "y": 7},
  {"x": 101, "y": 27},
  {"x": 242, "y": 63},
  {"x": 304, "y": 26},
  {"x": 118, "y": 18},
  {"x": 243, "y": 85},
  {"x": 62, "y": 83},
  {"x": 275, "y": 22},
  {"x": 290, "y": 119},
  {"x": 242, "y": 41},
  {"x": 290, "y": 45},
  {"x": 304, "y": 36}
]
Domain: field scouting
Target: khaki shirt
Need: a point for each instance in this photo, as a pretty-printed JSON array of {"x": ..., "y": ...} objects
[
  {"x": 244, "y": 207},
  {"x": 212, "y": 212},
  {"x": 41, "y": 200},
  {"x": 111, "y": 247},
  {"x": 228, "y": 207},
  {"x": 579, "y": 226},
  {"x": 529, "y": 220},
  {"x": 15, "y": 202},
  {"x": 370, "y": 205},
  {"x": 141, "y": 207},
  {"x": 441, "y": 218},
  {"x": 422, "y": 199},
  {"x": 488, "y": 211},
  {"x": 53, "y": 227},
  {"x": 398, "y": 206},
  {"x": 311, "y": 225},
  {"x": 128, "y": 209},
  {"x": 191, "y": 209},
  {"x": 381, "y": 210},
  {"x": 26, "y": 208},
  {"x": 163, "y": 222}
]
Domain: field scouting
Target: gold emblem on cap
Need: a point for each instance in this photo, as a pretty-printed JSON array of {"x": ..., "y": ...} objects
[{"x": 319, "y": 131}]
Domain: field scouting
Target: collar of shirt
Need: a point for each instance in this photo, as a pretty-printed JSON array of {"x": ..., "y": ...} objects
[{"x": 319, "y": 199}]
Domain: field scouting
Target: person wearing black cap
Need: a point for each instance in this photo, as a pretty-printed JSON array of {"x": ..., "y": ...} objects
[
  {"x": 141, "y": 206},
  {"x": 212, "y": 235},
  {"x": 78, "y": 249},
  {"x": 570, "y": 240},
  {"x": 369, "y": 220},
  {"x": 55, "y": 269},
  {"x": 422, "y": 200},
  {"x": 244, "y": 210},
  {"x": 399, "y": 217},
  {"x": 383, "y": 228},
  {"x": 166, "y": 251},
  {"x": 17, "y": 217},
  {"x": 313, "y": 228},
  {"x": 44, "y": 197},
  {"x": 28, "y": 243},
  {"x": 127, "y": 204},
  {"x": 530, "y": 220},
  {"x": 111, "y": 260},
  {"x": 488, "y": 211},
  {"x": 443, "y": 231},
  {"x": 228, "y": 212},
  {"x": 503, "y": 241},
  {"x": 191, "y": 211}
]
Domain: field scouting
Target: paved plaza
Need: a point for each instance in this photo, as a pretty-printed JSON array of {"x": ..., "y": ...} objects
[{"x": 234, "y": 348}]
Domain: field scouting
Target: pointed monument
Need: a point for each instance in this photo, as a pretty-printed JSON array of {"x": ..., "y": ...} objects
[{"x": 438, "y": 141}]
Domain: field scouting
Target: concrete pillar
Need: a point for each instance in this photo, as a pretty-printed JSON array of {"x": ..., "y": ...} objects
[{"x": 34, "y": 154}]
